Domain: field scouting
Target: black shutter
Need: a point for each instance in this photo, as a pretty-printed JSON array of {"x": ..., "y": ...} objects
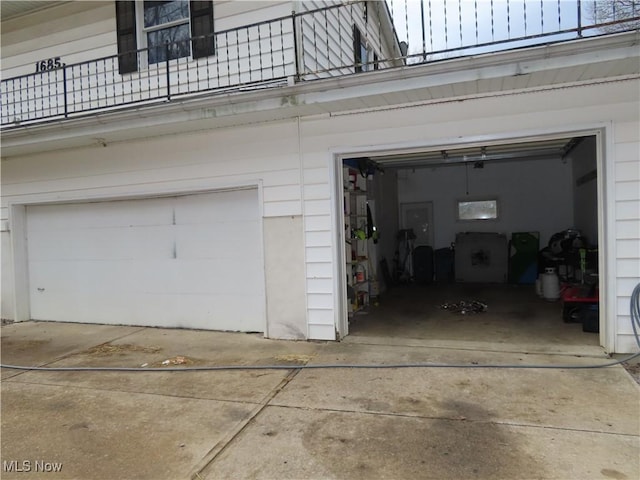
[
  {"x": 202, "y": 26},
  {"x": 126, "y": 31},
  {"x": 357, "y": 52}
]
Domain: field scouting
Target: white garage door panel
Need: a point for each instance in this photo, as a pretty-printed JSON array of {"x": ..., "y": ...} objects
[
  {"x": 211, "y": 208},
  {"x": 192, "y": 261},
  {"x": 207, "y": 276},
  {"x": 153, "y": 211},
  {"x": 239, "y": 242},
  {"x": 237, "y": 312},
  {"x": 111, "y": 243}
]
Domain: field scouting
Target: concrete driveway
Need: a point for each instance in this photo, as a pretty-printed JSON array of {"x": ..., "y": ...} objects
[{"x": 441, "y": 423}]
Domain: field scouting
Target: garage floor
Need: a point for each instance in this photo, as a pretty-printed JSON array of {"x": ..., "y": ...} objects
[
  {"x": 516, "y": 318},
  {"x": 440, "y": 423}
]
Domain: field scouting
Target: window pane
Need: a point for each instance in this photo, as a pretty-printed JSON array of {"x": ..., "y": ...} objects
[
  {"x": 478, "y": 210},
  {"x": 158, "y": 13},
  {"x": 179, "y": 45},
  {"x": 364, "y": 57}
]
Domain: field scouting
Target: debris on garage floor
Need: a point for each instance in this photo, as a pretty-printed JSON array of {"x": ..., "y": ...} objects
[{"x": 465, "y": 307}]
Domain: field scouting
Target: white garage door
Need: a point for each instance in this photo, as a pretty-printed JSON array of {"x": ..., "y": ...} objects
[{"x": 190, "y": 261}]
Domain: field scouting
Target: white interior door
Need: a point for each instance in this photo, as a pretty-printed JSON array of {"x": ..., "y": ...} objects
[
  {"x": 192, "y": 261},
  {"x": 419, "y": 217}
]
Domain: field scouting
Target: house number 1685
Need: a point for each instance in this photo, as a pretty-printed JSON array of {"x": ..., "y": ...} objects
[{"x": 48, "y": 64}]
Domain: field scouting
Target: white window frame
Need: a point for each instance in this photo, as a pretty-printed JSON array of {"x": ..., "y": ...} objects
[
  {"x": 142, "y": 33},
  {"x": 478, "y": 199}
]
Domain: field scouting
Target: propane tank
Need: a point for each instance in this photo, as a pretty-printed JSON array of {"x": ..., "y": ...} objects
[{"x": 550, "y": 285}]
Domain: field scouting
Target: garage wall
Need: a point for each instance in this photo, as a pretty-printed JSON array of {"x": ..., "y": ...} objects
[
  {"x": 266, "y": 154},
  {"x": 533, "y": 195},
  {"x": 384, "y": 189},
  {"x": 555, "y": 110},
  {"x": 585, "y": 190}
]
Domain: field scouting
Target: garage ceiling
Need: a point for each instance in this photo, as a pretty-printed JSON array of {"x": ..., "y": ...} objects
[{"x": 545, "y": 149}]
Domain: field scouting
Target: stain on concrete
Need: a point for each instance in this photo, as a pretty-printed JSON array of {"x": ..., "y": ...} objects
[
  {"x": 371, "y": 404},
  {"x": 611, "y": 473},
  {"x": 235, "y": 414},
  {"x": 79, "y": 425},
  {"x": 23, "y": 345},
  {"x": 398, "y": 447}
]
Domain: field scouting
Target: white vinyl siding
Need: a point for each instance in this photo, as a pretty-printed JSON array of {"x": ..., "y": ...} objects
[
  {"x": 327, "y": 37},
  {"x": 77, "y": 32},
  {"x": 627, "y": 225},
  {"x": 551, "y": 111},
  {"x": 233, "y": 14},
  {"x": 212, "y": 160},
  {"x": 258, "y": 53}
]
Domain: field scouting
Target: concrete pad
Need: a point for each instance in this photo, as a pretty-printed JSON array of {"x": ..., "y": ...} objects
[
  {"x": 151, "y": 346},
  {"x": 482, "y": 344},
  {"x": 38, "y": 343},
  {"x": 98, "y": 434},
  {"x": 288, "y": 443},
  {"x": 246, "y": 387},
  {"x": 397, "y": 423},
  {"x": 601, "y": 400}
]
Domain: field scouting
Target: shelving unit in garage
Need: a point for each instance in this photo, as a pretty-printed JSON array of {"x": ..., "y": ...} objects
[{"x": 356, "y": 243}]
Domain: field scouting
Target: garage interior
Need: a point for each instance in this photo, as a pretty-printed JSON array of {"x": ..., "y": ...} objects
[{"x": 489, "y": 243}]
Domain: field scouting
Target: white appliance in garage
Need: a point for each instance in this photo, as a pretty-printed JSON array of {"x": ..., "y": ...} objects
[
  {"x": 481, "y": 257},
  {"x": 191, "y": 261}
]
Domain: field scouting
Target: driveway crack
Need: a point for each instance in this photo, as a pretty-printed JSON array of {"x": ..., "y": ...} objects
[{"x": 221, "y": 446}]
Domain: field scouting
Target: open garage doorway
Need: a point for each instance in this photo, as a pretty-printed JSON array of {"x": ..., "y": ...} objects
[{"x": 495, "y": 243}]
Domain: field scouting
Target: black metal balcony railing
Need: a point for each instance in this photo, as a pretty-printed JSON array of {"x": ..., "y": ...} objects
[{"x": 310, "y": 45}]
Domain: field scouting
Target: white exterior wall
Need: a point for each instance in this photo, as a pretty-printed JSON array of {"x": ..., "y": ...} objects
[
  {"x": 80, "y": 31},
  {"x": 327, "y": 37},
  {"x": 295, "y": 163},
  {"x": 86, "y": 32},
  {"x": 265, "y": 155},
  {"x": 74, "y": 31},
  {"x": 586, "y": 109},
  {"x": 624, "y": 202}
]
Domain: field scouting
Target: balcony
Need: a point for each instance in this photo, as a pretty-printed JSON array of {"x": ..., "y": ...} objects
[{"x": 343, "y": 39}]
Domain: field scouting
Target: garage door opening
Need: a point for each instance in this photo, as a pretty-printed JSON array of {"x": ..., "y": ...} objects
[{"x": 511, "y": 227}]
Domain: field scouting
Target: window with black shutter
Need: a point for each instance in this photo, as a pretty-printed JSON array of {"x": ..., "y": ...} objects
[{"x": 169, "y": 30}]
